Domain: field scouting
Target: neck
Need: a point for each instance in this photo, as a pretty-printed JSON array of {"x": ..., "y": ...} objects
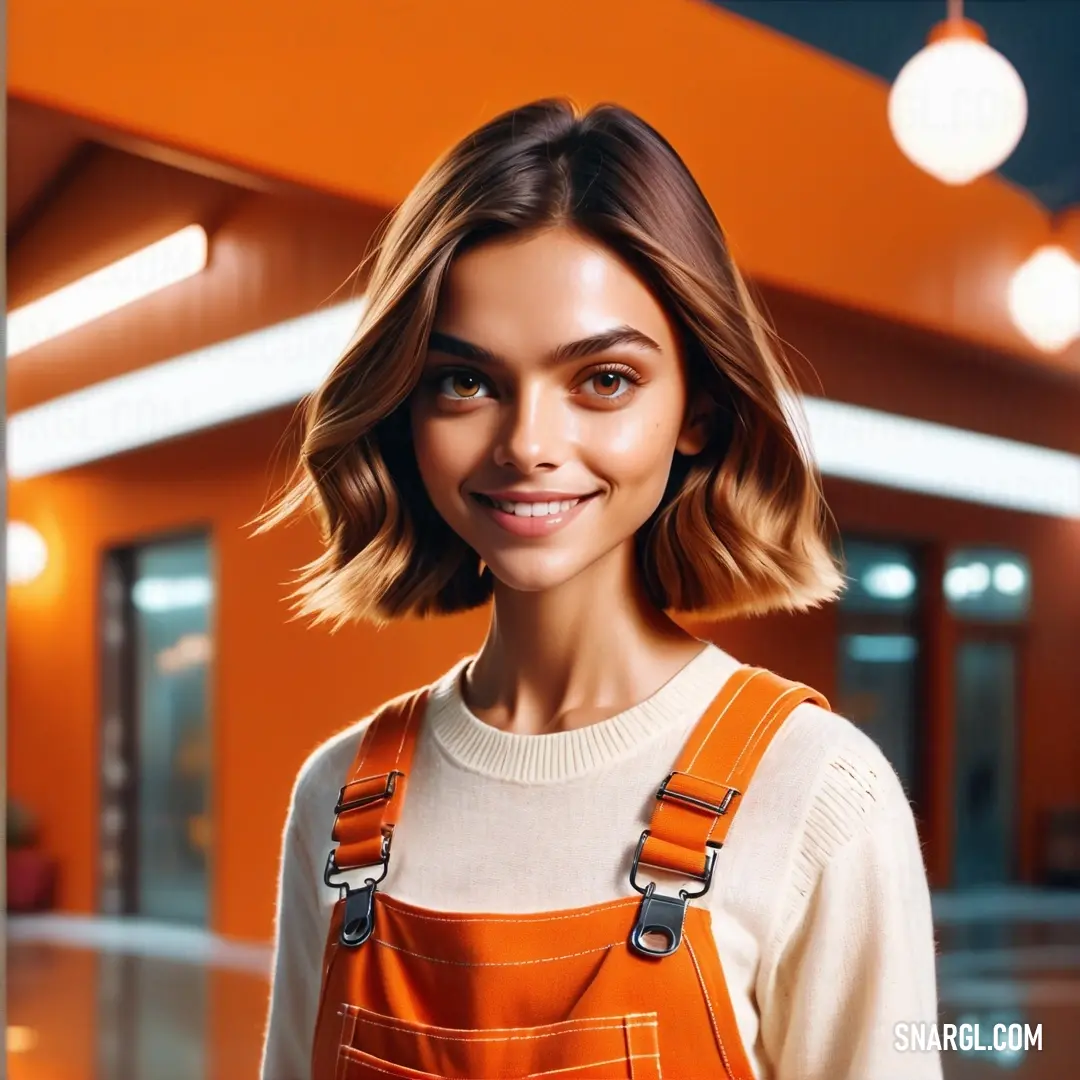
[{"x": 576, "y": 654}]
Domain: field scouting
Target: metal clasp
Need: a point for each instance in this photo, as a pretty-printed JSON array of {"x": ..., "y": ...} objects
[
  {"x": 345, "y": 804},
  {"x": 660, "y": 914},
  {"x": 719, "y": 808},
  {"x": 358, "y": 917}
]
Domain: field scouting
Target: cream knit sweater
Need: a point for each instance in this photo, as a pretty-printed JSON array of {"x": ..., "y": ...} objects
[{"x": 819, "y": 902}]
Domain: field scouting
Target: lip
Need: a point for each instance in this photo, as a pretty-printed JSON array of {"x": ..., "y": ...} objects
[
  {"x": 535, "y": 526},
  {"x": 535, "y": 496}
]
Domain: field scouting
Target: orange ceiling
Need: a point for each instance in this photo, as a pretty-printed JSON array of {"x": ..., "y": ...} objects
[{"x": 792, "y": 147}]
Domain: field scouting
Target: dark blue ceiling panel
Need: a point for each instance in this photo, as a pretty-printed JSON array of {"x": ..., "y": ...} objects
[{"x": 1041, "y": 38}]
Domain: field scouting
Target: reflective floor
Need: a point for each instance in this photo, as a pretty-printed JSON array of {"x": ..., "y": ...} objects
[{"x": 101, "y": 1000}]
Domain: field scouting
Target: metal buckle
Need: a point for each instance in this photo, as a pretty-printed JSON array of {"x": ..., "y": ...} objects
[
  {"x": 715, "y": 808},
  {"x": 331, "y": 868},
  {"x": 358, "y": 918},
  {"x": 706, "y": 879},
  {"x": 367, "y": 800},
  {"x": 660, "y": 914}
]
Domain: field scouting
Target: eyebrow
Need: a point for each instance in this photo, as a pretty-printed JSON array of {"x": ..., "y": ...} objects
[{"x": 570, "y": 350}]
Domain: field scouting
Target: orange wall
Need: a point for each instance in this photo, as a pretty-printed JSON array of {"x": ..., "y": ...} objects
[
  {"x": 792, "y": 147},
  {"x": 280, "y": 688}
]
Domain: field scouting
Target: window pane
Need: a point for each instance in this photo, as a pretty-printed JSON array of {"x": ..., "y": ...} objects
[
  {"x": 881, "y": 578},
  {"x": 878, "y": 680},
  {"x": 985, "y": 762},
  {"x": 987, "y": 584},
  {"x": 172, "y": 596}
]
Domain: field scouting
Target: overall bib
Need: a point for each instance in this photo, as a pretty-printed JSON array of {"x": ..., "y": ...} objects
[{"x": 632, "y": 988}]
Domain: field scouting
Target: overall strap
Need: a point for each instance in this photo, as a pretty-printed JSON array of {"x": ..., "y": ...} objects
[
  {"x": 369, "y": 805},
  {"x": 698, "y": 801}
]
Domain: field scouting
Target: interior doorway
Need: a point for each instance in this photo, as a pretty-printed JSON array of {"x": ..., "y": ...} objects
[
  {"x": 157, "y": 635},
  {"x": 985, "y": 785}
]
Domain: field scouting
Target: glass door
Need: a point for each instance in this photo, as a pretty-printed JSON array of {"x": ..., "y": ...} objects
[
  {"x": 986, "y": 700},
  {"x": 156, "y": 833},
  {"x": 171, "y": 595},
  {"x": 879, "y": 670},
  {"x": 988, "y": 592}
]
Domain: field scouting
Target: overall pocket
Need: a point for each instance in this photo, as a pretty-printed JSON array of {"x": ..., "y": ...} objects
[{"x": 590, "y": 1048}]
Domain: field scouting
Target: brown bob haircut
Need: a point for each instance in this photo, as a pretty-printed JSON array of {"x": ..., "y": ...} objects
[{"x": 741, "y": 527}]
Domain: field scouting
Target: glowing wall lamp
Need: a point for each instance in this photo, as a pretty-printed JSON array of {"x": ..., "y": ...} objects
[
  {"x": 958, "y": 107},
  {"x": 164, "y": 263},
  {"x": 27, "y": 553}
]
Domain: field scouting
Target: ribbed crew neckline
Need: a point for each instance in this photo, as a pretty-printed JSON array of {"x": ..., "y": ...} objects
[{"x": 475, "y": 745}]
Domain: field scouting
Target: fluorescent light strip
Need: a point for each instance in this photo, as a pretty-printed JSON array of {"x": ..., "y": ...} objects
[
  {"x": 281, "y": 364},
  {"x": 916, "y": 455},
  {"x": 164, "y": 263},
  {"x": 216, "y": 385}
]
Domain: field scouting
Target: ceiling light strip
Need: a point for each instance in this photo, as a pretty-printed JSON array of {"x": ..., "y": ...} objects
[
  {"x": 216, "y": 385},
  {"x": 915, "y": 455},
  {"x": 164, "y": 263}
]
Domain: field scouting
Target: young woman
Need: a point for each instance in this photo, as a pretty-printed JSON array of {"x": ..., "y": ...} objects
[{"x": 600, "y": 847}]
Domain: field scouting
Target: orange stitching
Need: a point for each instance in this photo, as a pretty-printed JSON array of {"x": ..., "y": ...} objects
[
  {"x": 705, "y": 741},
  {"x": 610, "y": 905},
  {"x": 593, "y": 1065},
  {"x": 770, "y": 715},
  {"x": 723, "y": 712},
  {"x": 349, "y": 1054},
  {"x": 574, "y": 1022},
  {"x": 712, "y": 1015},
  {"x": 405, "y": 729},
  {"x": 613, "y": 1023},
  {"x": 494, "y": 963},
  {"x": 369, "y": 1062},
  {"x": 343, "y": 1045}
]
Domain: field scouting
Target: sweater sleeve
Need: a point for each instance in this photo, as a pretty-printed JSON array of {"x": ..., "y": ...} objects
[
  {"x": 299, "y": 941},
  {"x": 857, "y": 956}
]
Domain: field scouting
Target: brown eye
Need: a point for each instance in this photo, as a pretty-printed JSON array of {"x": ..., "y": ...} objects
[
  {"x": 461, "y": 385},
  {"x": 607, "y": 383},
  {"x": 612, "y": 383}
]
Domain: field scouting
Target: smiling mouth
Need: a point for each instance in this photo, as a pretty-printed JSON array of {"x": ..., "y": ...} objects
[{"x": 532, "y": 509}]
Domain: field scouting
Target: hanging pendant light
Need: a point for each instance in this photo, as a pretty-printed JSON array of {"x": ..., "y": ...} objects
[
  {"x": 958, "y": 108},
  {"x": 1044, "y": 293}
]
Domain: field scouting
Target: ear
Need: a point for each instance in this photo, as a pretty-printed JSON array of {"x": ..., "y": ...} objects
[{"x": 697, "y": 426}]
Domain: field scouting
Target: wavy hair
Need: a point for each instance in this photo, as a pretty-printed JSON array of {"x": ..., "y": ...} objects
[{"x": 742, "y": 525}]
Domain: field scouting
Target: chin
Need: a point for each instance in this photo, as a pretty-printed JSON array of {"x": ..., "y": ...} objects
[{"x": 532, "y": 575}]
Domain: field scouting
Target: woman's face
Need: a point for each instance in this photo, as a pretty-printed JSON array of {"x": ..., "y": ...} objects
[{"x": 551, "y": 404}]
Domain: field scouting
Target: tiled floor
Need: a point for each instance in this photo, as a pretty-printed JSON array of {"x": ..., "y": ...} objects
[{"x": 94, "y": 1000}]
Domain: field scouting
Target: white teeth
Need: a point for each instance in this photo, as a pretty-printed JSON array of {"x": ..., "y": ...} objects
[{"x": 540, "y": 509}]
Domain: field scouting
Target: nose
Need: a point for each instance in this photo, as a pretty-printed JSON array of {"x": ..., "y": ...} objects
[{"x": 533, "y": 433}]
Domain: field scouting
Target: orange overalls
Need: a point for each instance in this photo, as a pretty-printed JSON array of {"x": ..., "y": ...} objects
[{"x": 631, "y": 988}]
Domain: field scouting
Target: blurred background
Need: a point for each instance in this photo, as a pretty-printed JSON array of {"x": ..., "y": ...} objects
[{"x": 189, "y": 191}]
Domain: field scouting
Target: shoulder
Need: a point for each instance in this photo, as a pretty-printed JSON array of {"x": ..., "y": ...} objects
[
  {"x": 837, "y": 796},
  {"x": 832, "y": 776},
  {"x": 310, "y": 821},
  {"x": 326, "y": 768},
  {"x": 822, "y": 784}
]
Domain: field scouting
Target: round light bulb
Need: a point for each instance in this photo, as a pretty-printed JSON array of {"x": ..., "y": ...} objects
[
  {"x": 1044, "y": 299},
  {"x": 958, "y": 107}
]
